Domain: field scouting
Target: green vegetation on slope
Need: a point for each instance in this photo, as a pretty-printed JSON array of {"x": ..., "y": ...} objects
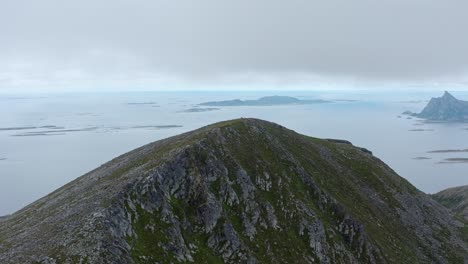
[{"x": 239, "y": 191}]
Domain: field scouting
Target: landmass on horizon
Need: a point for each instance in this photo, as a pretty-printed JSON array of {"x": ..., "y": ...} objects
[
  {"x": 266, "y": 101},
  {"x": 446, "y": 108}
]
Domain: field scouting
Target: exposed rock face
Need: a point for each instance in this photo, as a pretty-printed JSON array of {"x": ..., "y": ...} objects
[
  {"x": 241, "y": 191},
  {"x": 456, "y": 199},
  {"x": 445, "y": 108}
]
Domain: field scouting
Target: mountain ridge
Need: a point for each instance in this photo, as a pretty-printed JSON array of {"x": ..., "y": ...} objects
[
  {"x": 243, "y": 190},
  {"x": 456, "y": 199},
  {"x": 445, "y": 108}
]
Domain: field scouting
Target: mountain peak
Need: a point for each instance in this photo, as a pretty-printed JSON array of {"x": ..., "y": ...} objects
[
  {"x": 447, "y": 95},
  {"x": 445, "y": 108},
  {"x": 238, "y": 191}
]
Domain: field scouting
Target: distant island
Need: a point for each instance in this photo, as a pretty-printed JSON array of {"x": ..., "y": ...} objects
[
  {"x": 448, "y": 151},
  {"x": 445, "y": 108},
  {"x": 421, "y": 158},
  {"x": 454, "y": 161},
  {"x": 266, "y": 101},
  {"x": 142, "y": 103},
  {"x": 199, "y": 109}
]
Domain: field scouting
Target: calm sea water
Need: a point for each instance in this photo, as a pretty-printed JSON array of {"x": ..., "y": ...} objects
[{"x": 74, "y": 133}]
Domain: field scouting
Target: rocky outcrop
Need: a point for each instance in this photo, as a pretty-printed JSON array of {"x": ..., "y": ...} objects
[
  {"x": 445, "y": 108},
  {"x": 240, "y": 191}
]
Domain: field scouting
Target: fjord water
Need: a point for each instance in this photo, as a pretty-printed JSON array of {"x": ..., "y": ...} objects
[{"x": 48, "y": 140}]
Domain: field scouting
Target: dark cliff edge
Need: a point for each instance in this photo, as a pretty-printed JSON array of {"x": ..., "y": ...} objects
[{"x": 240, "y": 191}]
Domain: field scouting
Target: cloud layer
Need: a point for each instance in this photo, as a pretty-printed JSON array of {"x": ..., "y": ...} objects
[{"x": 115, "y": 42}]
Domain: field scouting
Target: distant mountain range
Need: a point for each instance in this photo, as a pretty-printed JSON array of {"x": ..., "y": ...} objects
[
  {"x": 265, "y": 101},
  {"x": 445, "y": 108},
  {"x": 239, "y": 191}
]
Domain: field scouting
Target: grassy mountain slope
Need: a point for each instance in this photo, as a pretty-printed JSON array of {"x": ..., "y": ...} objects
[
  {"x": 240, "y": 191},
  {"x": 456, "y": 199}
]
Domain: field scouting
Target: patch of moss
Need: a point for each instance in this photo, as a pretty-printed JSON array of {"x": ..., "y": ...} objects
[{"x": 151, "y": 239}]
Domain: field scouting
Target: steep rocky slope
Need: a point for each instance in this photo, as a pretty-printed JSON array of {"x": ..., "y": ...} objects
[
  {"x": 456, "y": 199},
  {"x": 240, "y": 191},
  {"x": 445, "y": 108}
]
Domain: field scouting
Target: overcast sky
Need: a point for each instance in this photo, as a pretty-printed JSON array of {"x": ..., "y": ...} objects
[{"x": 175, "y": 44}]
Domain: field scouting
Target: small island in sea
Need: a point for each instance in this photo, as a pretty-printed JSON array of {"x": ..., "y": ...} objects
[
  {"x": 420, "y": 130},
  {"x": 422, "y": 158},
  {"x": 448, "y": 151},
  {"x": 446, "y": 108},
  {"x": 200, "y": 109},
  {"x": 142, "y": 103},
  {"x": 454, "y": 160},
  {"x": 266, "y": 101}
]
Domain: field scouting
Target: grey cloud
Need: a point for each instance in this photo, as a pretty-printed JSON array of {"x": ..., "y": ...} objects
[{"x": 88, "y": 40}]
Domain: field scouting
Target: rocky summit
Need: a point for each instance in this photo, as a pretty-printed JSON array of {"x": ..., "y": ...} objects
[
  {"x": 240, "y": 191},
  {"x": 445, "y": 108}
]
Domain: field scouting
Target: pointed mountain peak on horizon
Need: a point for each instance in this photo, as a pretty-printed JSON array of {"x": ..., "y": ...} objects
[
  {"x": 448, "y": 95},
  {"x": 445, "y": 108}
]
